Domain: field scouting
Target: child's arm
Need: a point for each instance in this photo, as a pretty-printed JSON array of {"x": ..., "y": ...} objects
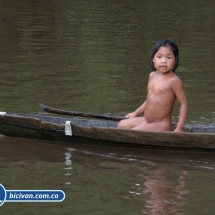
[
  {"x": 137, "y": 112},
  {"x": 182, "y": 98},
  {"x": 182, "y": 117}
]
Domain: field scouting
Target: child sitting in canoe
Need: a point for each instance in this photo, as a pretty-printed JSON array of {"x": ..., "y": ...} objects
[{"x": 163, "y": 88}]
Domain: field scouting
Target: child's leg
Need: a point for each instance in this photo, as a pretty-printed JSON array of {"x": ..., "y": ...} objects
[
  {"x": 130, "y": 123},
  {"x": 154, "y": 126}
]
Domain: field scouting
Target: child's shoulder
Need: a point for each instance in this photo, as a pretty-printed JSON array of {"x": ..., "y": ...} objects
[
  {"x": 175, "y": 80},
  {"x": 151, "y": 74},
  {"x": 175, "y": 77}
]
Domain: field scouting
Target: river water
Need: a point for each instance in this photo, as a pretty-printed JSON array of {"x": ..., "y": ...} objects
[{"x": 93, "y": 56}]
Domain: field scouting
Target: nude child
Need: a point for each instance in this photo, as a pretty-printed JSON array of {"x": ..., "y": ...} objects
[{"x": 164, "y": 87}]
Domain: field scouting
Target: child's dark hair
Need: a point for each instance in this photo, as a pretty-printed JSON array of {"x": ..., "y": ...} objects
[{"x": 165, "y": 42}]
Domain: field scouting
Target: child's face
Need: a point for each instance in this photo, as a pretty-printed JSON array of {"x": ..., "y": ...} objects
[{"x": 164, "y": 59}]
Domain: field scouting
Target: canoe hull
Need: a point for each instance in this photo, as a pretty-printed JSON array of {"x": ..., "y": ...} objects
[
  {"x": 144, "y": 138},
  {"x": 99, "y": 132}
]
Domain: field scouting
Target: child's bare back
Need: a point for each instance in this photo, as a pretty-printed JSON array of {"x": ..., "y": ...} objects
[{"x": 163, "y": 88}]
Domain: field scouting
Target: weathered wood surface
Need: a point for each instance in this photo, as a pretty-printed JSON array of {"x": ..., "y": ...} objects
[
  {"x": 29, "y": 120},
  {"x": 82, "y": 114},
  {"x": 53, "y": 128},
  {"x": 167, "y": 139}
]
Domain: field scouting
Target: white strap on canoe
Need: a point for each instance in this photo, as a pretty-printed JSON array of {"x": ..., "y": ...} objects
[
  {"x": 68, "y": 129},
  {"x": 2, "y": 113}
]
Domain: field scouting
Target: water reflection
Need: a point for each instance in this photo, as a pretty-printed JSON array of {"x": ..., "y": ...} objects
[
  {"x": 166, "y": 194},
  {"x": 157, "y": 183},
  {"x": 117, "y": 180},
  {"x": 68, "y": 165}
]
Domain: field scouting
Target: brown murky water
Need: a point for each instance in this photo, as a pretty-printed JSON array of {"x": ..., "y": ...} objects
[{"x": 93, "y": 56}]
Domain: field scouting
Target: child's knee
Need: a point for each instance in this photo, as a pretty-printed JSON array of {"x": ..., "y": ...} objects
[
  {"x": 119, "y": 124},
  {"x": 123, "y": 124}
]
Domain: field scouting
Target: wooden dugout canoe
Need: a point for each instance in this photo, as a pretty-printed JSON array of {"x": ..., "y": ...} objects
[{"x": 103, "y": 132}]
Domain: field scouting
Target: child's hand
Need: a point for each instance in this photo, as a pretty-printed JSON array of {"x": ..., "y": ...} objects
[
  {"x": 178, "y": 130},
  {"x": 130, "y": 115}
]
